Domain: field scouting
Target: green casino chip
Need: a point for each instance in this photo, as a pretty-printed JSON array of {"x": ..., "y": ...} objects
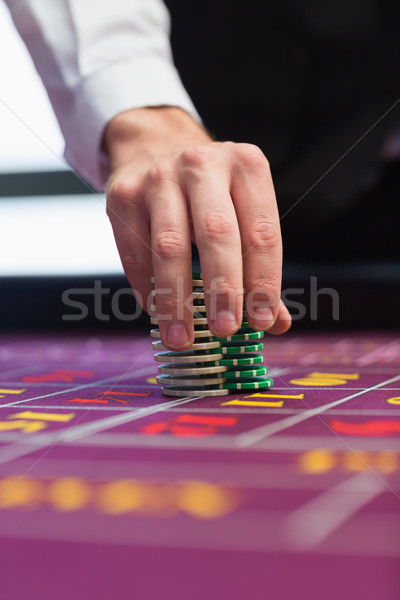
[
  {"x": 238, "y": 373},
  {"x": 241, "y": 336},
  {"x": 238, "y": 349},
  {"x": 249, "y": 384},
  {"x": 239, "y": 360}
]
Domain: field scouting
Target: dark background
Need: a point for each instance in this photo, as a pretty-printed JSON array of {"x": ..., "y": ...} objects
[{"x": 313, "y": 84}]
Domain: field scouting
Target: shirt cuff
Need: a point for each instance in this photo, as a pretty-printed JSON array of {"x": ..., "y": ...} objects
[{"x": 142, "y": 81}]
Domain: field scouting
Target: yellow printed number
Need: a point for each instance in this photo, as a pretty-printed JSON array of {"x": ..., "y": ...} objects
[
  {"x": 325, "y": 379},
  {"x": 395, "y": 400},
  {"x": 4, "y": 392},
  {"x": 31, "y": 422},
  {"x": 263, "y": 403}
]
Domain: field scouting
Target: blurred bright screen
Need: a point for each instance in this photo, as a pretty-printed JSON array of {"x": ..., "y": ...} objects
[
  {"x": 30, "y": 137},
  {"x": 42, "y": 235},
  {"x": 56, "y": 235}
]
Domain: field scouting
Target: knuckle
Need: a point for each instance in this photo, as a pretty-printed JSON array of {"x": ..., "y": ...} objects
[
  {"x": 218, "y": 225},
  {"x": 196, "y": 157},
  {"x": 120, "y": 193},
  {"x": 170, "y": 245},
  {"x": 251, "y": 157},
  {"x": 262, "y": 286},
  {"x": 161, "y": 172},
  {"x": 229, "y": 146},
  {"x": 222, "y": 288},
  {"x": 265, "y": 234}
]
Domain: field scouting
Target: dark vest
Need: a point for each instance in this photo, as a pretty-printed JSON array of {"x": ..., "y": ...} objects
[{"x": 303, "y": 80}]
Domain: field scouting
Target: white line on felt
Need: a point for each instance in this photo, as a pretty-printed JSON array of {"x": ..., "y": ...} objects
[
  {"x": 289, "y": 444},
  {"x": 236, "y": 411},
  {"x": 242, "y": 475},
  {"x": 390, "y": 350},
  {"x": 24, "y": 369},
  {"x": 241, "y": 531},
  {"x": 144, "y": 371},
  {"x": 48, "y": 440},
  {"x": 22, "y": 448},
  {"x": 286, "y": 444},
  {"x": 95, "y": 426},
  {"x": 251, "y": 437},
  {"x": 276, "y": 371},
  {"x": 66, "y": 386},
  {"x": 310, "y": 524},
  {"x": 72, "y": 407}
]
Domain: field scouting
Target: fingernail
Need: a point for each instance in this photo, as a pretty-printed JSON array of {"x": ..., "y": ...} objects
[
  {"x": 177, "y": 336},
  {"x": 264, "y": 316},
  {"x": 225, "y": 322}
]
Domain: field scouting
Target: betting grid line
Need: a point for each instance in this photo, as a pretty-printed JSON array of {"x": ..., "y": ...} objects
[
  {"x": 94, "y": 383},
  {"x": 144, "y": 371},
  {"x": 19, "y": 452},
  {"x": 279, "y": 443},
  {"x": 317, "y": 412},
  {"x": 15, "y": 451},
  {"x": 247, "y": 411},
  {"x": 65, "y": 387},
  {"x": 250, "y": 475},
  {"x": 353, "y": 450},
  {"x": 43, "y": 440},
  {"x": 312, "y": 523},
  {"x": 252, "y": 437},
  {"x": 153, "y": 386},
  {"x": 272, "y": 444},
  {"x": 361, "y": 459},
  {"x": 102, "y": 424},
  {"x": 25, "y": 370},
  {"x": 243, "y": 522}
]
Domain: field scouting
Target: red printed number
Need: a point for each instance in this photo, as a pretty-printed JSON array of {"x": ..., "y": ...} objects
[
  {"x": 382, "y": 427},
  {"x": 108, "y": 396},
  {"x": 57, "y": 375},
  {"x": 190, "y": 426}
]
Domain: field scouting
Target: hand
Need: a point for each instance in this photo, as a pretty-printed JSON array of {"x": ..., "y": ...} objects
[{"x": 170, "y": 182}]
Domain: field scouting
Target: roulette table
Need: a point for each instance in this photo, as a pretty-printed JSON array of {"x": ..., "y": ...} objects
[{"x": 109, "y": 488}]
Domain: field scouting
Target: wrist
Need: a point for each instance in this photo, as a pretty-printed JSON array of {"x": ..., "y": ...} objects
[{"x": 146, "y": 132}]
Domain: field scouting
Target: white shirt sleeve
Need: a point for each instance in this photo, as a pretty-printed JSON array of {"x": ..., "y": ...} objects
[{"x": 98, "y": 58}]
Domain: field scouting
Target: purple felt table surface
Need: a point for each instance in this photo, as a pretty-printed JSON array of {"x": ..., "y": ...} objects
[{"x": 109, "y": 489}]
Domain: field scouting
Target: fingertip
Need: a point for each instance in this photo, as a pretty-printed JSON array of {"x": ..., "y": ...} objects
[
  {"x": 260, "y": 315},
  {"x": 283, "y": 322},
  {"x": 177, "y": 337},
  {"x": 225, "y": 323}
]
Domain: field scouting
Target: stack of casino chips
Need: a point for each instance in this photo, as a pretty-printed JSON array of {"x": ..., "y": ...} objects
[{"x": 213, "y": 366}]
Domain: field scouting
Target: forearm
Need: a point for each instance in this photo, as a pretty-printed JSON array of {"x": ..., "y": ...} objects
[{"x": 98, "y": 60}]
